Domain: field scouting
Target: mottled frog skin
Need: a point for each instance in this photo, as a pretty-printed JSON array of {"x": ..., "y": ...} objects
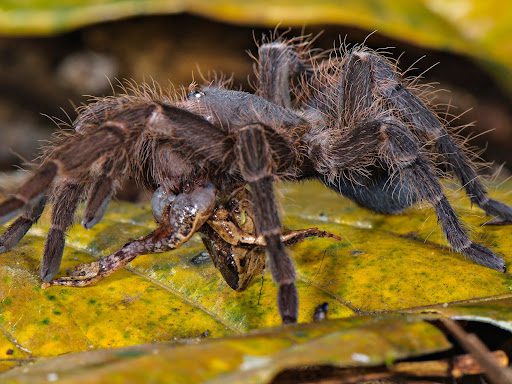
[
  {"x": 236, "y": 251},
  {"x": 226, "y": 228}
]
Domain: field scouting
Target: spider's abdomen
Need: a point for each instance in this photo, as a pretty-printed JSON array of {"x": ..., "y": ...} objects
[{"x": 381, "y": 193}]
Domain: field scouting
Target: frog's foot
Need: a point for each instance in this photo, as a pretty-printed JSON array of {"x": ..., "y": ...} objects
[
  {"x": 293, "y": 237},
  {"x": 87, "y": 274},
  {"x": 81, "y": 276}
]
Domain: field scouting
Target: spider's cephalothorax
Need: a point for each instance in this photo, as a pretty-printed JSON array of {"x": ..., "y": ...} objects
[{"x": 349, "y": 120}]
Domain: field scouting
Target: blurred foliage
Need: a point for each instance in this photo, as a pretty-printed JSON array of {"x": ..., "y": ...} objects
[
  {"x": 382, "y": 263},
  {"x": 478, "y": 28}
]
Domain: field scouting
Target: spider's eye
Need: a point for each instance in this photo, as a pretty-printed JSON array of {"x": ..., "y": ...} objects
[{"x": 195, "y": 94}]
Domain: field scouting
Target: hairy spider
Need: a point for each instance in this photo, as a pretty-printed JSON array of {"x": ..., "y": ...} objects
[{"x": 348, "y": 119}]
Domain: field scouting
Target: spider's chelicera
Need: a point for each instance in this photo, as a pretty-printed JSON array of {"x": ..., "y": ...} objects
[{"x": 348, "y": 119}]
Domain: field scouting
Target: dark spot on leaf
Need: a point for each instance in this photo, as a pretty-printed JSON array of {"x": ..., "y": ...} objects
[
  {"x": 45, "y": 321},
  {"x": 57, "y": 312},
  {"x": 9, "y": 352},
  {"x": 301, "y": 334},
  {"x": 412, "y": 236},
  {"x": 205, "y": 334},
  {"x": 51, "y": 297}
]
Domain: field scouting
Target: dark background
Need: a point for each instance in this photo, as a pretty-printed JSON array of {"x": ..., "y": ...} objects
[{"x": 46, "y": 76}]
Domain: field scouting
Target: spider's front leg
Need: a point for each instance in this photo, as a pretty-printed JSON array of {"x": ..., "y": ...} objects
[
  {"x": 255, "y": 162},
  {"x": 97, "y": 156},
  {"x": 22, "y": 224},
  {"x": 186, "y": 213}
]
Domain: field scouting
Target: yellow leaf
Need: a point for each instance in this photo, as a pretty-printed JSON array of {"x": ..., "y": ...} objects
[
  {"x": 254, "y": 358},
  {"x": 382, "y": 263}
]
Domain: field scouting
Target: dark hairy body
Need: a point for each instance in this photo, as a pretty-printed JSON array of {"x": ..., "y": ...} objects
[{"x": 348, "y": 119}]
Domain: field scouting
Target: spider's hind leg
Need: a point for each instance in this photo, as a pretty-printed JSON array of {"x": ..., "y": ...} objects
[
  {"x": 388, "y": 84},
  {"x": 401, "y": 151}
]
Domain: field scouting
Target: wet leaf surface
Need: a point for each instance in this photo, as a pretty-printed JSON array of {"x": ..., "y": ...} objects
[{"x": 382, "y": 264}]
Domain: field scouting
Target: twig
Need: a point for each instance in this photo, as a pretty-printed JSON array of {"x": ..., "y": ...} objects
[
  {"x": 472, "y": 344},
  {"x": 455, "y": 367}
]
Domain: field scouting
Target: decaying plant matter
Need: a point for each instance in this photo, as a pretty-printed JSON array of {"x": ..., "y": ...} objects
[{"x": 348, "y": 119}]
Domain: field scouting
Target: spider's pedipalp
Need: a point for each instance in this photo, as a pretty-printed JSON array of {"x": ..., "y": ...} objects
[
  {"x": 256, "y": 165},
  {"x": 199, "y": 138}
]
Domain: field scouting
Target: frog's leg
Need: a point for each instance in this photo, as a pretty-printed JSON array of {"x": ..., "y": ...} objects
[
  {"x": 185, "y": 215},
  {"x": 232, "y": 234},
  {"x": 240, "y": 255}
]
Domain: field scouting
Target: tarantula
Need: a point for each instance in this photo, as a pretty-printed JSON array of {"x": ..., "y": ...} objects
[{"x": 349, "y": 119}]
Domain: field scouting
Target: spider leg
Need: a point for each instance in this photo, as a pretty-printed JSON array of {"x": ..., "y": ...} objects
[
  {"x": 28, "y": 192},
  {"x": 70, "y": 160},
  {"x": 186, "y": 214},
  {"x": 389, "y": 86},
  {"x": 99, "y": 154},
  {"x": 344, "y": 154},
  {"x": 101, "y": 193},
  {"x": 66, "y": 198},
  {"x": 401, "y": 151},
  {"x": 22, "y": 224},
  {"x": 255, "y": 163},
  {"x": 340, "y": 164},
  {"x": 278, "y": 62}
]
